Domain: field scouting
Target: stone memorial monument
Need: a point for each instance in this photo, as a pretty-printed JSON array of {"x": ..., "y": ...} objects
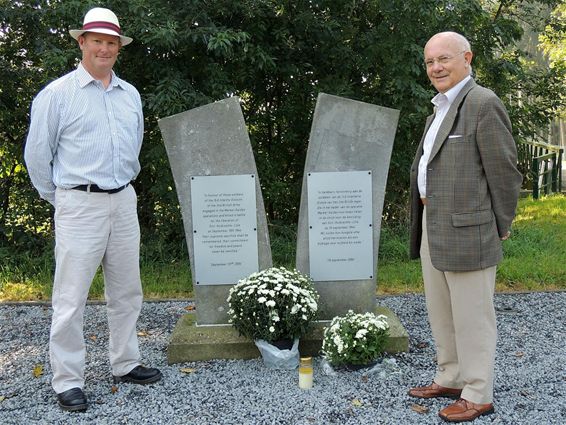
[
  {"x": 342, "y": 201},
  {"x": 221, "y": 203},
  {"x": 215, "y": 176}
]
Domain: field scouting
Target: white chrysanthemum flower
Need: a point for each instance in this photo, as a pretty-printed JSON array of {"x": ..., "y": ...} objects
[
  {"x": 271, "y": 329},
  {"x": 270, "y": 303},
  {"x": 261, "y": 300},
  {"x": 339, "y": 343}
]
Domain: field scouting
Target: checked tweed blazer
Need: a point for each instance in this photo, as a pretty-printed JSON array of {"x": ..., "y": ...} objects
[{"x": 472, "y": 185}]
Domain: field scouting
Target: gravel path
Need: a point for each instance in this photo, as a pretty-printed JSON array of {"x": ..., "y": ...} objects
[{"x": 530, "y": 383}]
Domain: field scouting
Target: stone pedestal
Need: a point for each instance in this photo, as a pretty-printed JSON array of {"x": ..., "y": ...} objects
[{"x": 190, "y": 342}]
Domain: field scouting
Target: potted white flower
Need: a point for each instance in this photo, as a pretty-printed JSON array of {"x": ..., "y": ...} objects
[
  {"x": 355, "y": 340},
  {"x": 272, "y": 306}
]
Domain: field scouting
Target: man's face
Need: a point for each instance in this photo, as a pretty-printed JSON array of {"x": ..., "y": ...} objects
[
  {"x": 446, "y": 62},
  {"x": 99, "y": 52}
]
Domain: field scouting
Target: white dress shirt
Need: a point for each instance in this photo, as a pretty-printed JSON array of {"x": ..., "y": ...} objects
[{"x": 84, "y": 133}]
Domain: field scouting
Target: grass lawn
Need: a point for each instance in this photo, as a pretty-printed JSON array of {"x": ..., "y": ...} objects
[{"x": 534, "y": 260}]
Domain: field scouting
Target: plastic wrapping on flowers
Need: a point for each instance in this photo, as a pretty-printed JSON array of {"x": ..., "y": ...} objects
[
  {"x": 355, "y": 339},
  {"x": 273, "y": 304}
]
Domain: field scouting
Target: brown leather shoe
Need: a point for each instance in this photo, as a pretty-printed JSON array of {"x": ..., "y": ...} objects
[
  {"x": 464, "y": 411},
  {"x": 435, "y": 390}
]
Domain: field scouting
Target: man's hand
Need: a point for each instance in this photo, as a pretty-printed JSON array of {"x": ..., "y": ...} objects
[{"x": 504, "y": 238}]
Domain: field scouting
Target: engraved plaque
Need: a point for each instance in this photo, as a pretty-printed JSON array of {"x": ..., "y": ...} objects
[
  {"x": 224, "y": 228},
  {"x": 340, "y": 225}
]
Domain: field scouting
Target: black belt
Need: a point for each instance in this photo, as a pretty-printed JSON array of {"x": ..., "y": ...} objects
[{"x": 95, "y": 188}]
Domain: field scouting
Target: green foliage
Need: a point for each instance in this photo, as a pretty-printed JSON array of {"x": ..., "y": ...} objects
[
  {"x": 355, "y": 339},
  {"x": 283, "y": 241},
  {"x": 276, "y": 55},
  {"x": 273, "y": 304},
  {"x": 553, "y": 43}
]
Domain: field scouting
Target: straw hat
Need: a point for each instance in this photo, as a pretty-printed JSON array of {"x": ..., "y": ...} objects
[{"x": 102, "y": 21}]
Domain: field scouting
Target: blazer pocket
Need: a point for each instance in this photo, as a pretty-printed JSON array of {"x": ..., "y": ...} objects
[
  {"x": 472, "y": 219},
  {"x": 455, "y": 138}
]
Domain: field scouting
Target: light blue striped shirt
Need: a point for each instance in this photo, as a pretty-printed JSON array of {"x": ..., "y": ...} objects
[{"x": 83, "y": 133}]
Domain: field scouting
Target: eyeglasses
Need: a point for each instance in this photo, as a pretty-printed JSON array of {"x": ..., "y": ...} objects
[{"x": 442, "y": 60}]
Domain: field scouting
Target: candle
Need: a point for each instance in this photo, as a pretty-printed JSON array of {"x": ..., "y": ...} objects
[{"x": 305, "y": 373}]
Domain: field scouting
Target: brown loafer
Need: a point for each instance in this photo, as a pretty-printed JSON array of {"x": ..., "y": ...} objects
[
  {"x": 435, "y": 390},
  {"x": 464, "y": 411}
]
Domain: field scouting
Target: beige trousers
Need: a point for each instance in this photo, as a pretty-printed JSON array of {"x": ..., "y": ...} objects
[
  {"x": 462, "y": 318},
  {"x": 93, "y": 229}
]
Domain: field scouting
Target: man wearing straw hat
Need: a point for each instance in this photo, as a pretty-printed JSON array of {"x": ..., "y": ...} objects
[{"x": 82, "y": 153}]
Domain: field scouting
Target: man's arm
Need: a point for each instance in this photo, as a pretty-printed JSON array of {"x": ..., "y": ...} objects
[
  {"x": 499, "y": 159},
  {"x": 41, "y": 144}
]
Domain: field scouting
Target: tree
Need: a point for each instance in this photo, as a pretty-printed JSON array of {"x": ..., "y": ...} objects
[
  {"x": 553, "y": 43},
  {"x": 276, "y": 55}
]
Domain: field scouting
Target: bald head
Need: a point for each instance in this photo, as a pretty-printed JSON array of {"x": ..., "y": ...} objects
[
  {"x": 448, "y": 58},
  {"x": 453, "y": 38}
]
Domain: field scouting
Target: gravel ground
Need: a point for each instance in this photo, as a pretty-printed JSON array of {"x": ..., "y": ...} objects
[{"x": 530, "y": 383}]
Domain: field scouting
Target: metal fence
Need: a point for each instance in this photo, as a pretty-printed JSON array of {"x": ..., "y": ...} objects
[{"x": 541, "y": 165}]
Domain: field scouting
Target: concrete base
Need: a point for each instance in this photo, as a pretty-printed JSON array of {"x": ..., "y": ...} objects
[{"x": 190, "y": 342}]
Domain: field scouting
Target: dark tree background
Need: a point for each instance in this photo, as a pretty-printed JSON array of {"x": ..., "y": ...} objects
[{"x": 276, "y": 56}]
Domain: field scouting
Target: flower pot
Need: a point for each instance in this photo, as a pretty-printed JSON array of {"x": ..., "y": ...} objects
[
  {"x": 276, "y": 358},
  {"x": 283, "y": 344},
  {"x": 354, "y": 367}
]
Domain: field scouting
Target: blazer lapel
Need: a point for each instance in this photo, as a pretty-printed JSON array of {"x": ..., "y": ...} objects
[{"x": 449, "y": 119}]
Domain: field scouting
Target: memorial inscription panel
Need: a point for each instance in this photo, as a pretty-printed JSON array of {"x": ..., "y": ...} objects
[
  {"x": 340, "y": 225},
  {"x": 224, "y": 228}
]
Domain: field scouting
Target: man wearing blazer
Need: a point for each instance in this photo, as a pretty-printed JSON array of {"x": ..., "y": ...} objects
[{"x": 464, "y": 190}]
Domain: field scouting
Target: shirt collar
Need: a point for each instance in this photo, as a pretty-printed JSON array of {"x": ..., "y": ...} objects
[
  {"x": 85, "y": 78},
  {"x": 451, "y": 94}
]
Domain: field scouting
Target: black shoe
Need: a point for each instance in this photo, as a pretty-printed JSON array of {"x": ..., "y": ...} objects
[
  {"x": 140, "y": 375},
  {"x": 73, "y": 400}
]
